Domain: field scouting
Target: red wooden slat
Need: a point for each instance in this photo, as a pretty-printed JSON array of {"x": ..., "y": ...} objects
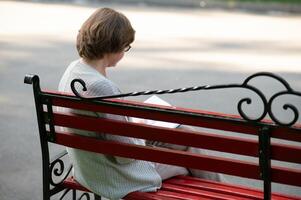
[
  {"x": 136, "y": 103},
  {"x": 186, "y": 159},
  {"x": 286, "y": 175},
  {"x": 284, "y": 152},
  {"x": 186, "y": 190},
  {"x": 193, "y": 182},
  {"x": 148, "y": 196},
  {"x": 206, "y": 119},
  {"x": 187, "y": 138},
  {"x": 212, "y": 186},
  {"x": 192, "y": 138},
  {"x": 287, "y": 133},
  {"x": 235, "y": 189},
  {"x": 161, "y": 155},
  {"x": 218, "y": 185},
  {"x": 183, "y": 196}
]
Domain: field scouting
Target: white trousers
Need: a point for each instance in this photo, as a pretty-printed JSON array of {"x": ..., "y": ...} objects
[{"x": 168, "y": 171}]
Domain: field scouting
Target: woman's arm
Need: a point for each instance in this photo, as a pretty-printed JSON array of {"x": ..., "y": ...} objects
[{"x": 104, "y": 88}]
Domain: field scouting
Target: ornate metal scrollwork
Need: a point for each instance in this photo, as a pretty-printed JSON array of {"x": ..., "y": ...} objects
[
  {"x": 57, "y": 170},
  {"x": 288, "y": 91},
  {"x": 66, "y": 191},
  {"x": 60, "y": 173},
  {"x": 86, "y": 195},
  {"x": 249, "y": 101},
  {"x": 267, "y": 104},
  {"x": 82, "y": 196}
]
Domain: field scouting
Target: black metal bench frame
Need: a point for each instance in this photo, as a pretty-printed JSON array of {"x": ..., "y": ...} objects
[{"x": 56, "y": 168}]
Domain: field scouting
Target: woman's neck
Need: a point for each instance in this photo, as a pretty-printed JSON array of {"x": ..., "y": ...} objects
[{"x": 100, "y": 65}]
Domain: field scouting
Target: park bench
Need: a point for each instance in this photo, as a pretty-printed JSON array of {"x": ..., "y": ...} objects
[{"x": 57, "y": 179}]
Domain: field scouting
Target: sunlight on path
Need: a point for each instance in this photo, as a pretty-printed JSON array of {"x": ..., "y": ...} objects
[{"x": 173, "y": 38}]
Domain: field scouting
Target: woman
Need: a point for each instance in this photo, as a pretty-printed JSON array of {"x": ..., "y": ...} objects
[{"x": 101, "y": 43}]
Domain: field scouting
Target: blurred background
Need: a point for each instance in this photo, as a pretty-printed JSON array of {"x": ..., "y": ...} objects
[{"x": 179, "y": 43}]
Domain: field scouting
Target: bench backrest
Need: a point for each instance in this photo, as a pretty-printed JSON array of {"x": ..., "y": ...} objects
[{"x": 260, "y": 147}]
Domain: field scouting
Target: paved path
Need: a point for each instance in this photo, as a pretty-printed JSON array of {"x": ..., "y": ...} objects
[{"x": 173, "y": 48}]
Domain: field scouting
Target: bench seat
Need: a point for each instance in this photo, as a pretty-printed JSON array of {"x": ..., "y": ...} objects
[{"x": 191, "y": 188}]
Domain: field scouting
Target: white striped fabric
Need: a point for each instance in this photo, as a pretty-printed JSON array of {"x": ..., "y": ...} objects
[{"x": 107, "y": 176}]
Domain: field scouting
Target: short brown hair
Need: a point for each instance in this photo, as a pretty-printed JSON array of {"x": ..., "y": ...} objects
[{"x": 105, "y": 31}]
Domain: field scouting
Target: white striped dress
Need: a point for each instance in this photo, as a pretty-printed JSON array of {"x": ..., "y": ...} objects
[{"x": 108, "y": 176}]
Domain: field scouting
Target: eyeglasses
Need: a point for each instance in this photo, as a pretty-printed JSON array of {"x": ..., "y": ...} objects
[{"x": 127, "y": 48}]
